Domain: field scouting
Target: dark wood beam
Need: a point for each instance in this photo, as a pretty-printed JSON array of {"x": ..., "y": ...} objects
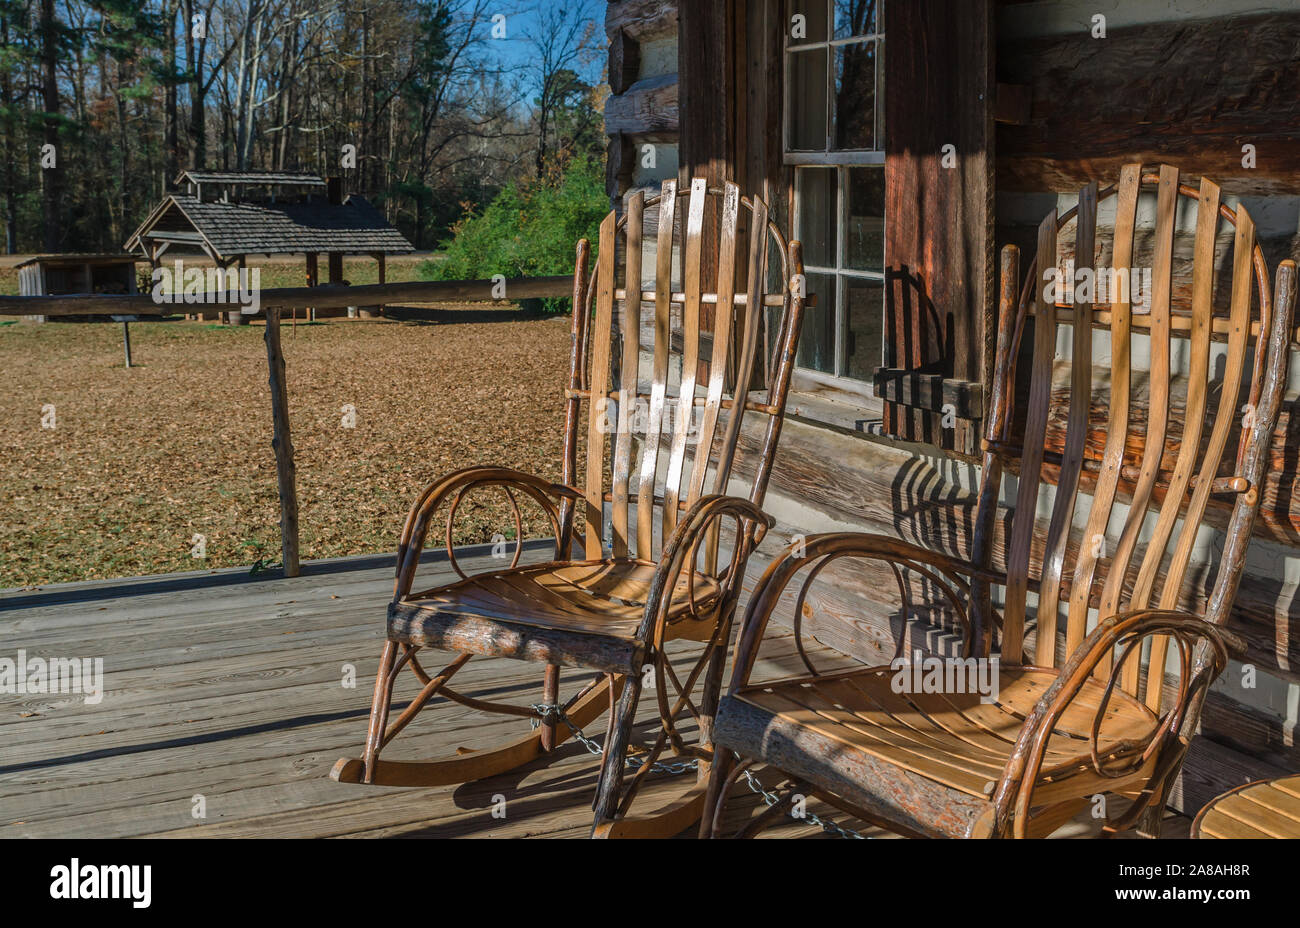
[
  {"x": 939, "y": 203},
  {"x": 624, "y": 61},
  {"x": 1191, "y": 93}
]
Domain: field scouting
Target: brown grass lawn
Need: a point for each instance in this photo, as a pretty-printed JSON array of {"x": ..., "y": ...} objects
[{"x": 141, "y": 460}]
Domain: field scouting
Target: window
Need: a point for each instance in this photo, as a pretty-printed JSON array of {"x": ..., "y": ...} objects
[{"x": 834, "y": 140}]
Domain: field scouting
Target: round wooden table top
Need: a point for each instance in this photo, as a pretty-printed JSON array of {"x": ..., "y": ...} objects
[{"x": 1264, "y": 809}]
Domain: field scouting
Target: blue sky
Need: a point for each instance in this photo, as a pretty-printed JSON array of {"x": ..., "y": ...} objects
[{"x": 515, "y": 50}]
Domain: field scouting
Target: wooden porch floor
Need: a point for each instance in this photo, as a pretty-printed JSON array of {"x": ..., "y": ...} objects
[{"x": 228, "y": 687}]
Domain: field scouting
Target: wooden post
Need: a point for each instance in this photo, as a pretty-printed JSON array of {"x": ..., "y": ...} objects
[
  {"x": 282, "y": 444},
  {"x": 708, "y": 34},
  {"x": 336, "y": 268},
  {"x": 370, "y": 312},
  {"x": 313, "y": 280}
]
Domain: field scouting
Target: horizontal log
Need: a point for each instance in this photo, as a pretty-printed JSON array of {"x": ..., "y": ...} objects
[
  {"x": 326, "y": 297},
  {"x": 1197, "y": 91},
  {"x": 649, "y": 106},
  {"x": 641, "y": 19}
]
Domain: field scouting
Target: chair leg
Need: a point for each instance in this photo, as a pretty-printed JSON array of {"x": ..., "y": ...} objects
[
  {"x": 1151, "y": 820},
  {"x": 610, "y": 785},
  {"x": 721, "y": 772},
  {"x": 550, "y": 696},
  {"x": 466, "y": 765},
  {"x": 379, "y": 705}
]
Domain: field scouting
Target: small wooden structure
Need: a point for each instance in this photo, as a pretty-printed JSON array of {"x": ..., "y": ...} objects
[
  {"x": 649, "y": 570},
  {"x": 1088, "y": 700},
  {"x": 80, "y": 274},
  {"x": 59, "y": 275},
  {"x": 229, "y": 215}
]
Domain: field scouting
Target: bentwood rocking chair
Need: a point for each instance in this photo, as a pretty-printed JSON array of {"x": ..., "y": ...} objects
[
  {"x": 1084, "y": 707},
  {"x": 660, "y": 425}
]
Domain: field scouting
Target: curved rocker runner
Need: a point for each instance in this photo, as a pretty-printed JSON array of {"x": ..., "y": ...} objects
[{"x": 658, "y": 430}]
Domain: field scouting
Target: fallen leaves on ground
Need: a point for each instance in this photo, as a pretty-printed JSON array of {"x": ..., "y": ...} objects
[{"x": 142, "y": 461}]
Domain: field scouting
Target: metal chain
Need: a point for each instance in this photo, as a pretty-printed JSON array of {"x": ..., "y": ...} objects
[
  {"x": 808, "y": 818},
  {"x": 671, "y": 767}
]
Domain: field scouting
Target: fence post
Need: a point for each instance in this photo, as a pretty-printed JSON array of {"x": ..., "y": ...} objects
[{"x": 282, "y": 444}]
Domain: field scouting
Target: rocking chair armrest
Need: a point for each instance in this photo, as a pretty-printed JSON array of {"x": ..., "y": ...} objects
[
  {"x": 943, "y": 570},
  {"x": 544, "y": 492},
  {"x": 1127, "y": 631},
  {"x": 683, "y": 545}
]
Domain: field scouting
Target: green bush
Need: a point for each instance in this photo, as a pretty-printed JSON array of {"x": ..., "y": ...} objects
[{"x": 528, "y": 230}]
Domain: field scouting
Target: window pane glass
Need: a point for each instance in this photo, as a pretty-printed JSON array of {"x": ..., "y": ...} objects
[
  {"x": 808, "y": 100},
  {"x": 818, "y": 227},
  {"x": 855, "y": 17},
  {"x": 865, "y": 248},
  {"x": 817, "y": 340},
  {"x": 814, "y": 13},
  {"x": 865, "y": 306},
  {"x": 855, "y": 96}
]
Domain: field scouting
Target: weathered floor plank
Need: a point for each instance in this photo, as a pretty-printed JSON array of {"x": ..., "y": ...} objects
[{"x": 230, "y": 688}]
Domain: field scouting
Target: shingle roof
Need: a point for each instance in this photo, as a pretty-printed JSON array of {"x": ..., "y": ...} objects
[
  {"x": 250, "y": 177},
  {"x": 78, "y": 258},
  {"x": 355, "y": 227}
]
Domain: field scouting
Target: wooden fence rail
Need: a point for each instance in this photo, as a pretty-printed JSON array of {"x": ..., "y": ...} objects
[
  {"x": 271, "y": 303},
  {"x": 323, "y": 297}
]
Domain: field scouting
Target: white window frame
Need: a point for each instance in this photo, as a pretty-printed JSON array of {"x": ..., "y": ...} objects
[
  {"x": 835, "y": 384},
  {"x": 827, "y": 155}
]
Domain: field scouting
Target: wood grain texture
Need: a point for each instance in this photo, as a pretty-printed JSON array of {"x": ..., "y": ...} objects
[
  {"x": 229, "y": 685},
  {"x": 1201, "y": 89}
]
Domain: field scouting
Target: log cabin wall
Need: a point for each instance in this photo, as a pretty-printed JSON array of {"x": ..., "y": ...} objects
[
  {"x": 834, "y": 469},
  {"x": 641, "y": 113}
]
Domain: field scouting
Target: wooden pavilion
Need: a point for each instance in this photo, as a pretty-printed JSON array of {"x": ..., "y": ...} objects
[{"x": 228, "y": 215}]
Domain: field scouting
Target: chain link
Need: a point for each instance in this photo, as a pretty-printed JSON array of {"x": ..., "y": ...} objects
[
  {"x": 770, "y": 798},
  {"x": 808, "y": 818},
  {"x": 670, "y": 767}
]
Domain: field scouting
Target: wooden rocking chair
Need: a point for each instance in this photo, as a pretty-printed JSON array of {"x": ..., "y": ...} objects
[
  {"x": 649, "y": 573},
  {"x": 1083, "y": 708}
]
